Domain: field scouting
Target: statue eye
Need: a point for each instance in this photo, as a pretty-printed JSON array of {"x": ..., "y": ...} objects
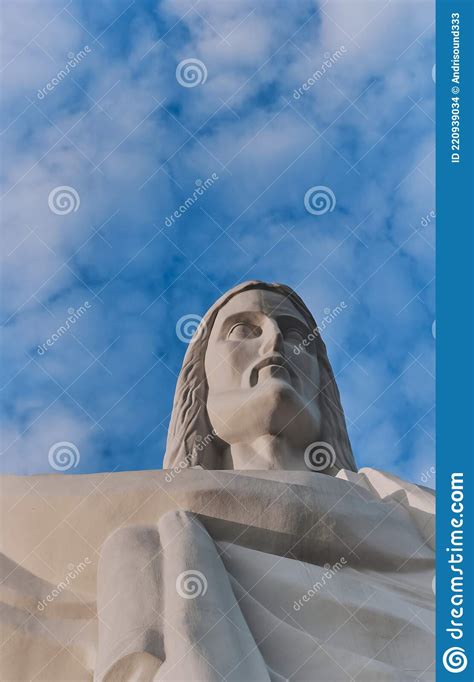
[
  {"x": 293, "y": 335},
  {"x": 243, "y": 330}
]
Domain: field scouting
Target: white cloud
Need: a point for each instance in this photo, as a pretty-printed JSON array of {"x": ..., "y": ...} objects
[{"x": 132, "y": 160}]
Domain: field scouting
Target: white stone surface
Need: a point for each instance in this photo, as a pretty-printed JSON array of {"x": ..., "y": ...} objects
[{"x": 261, "y": 541}]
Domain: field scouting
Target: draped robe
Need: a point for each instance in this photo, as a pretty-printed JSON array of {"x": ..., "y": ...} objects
[{"x": 211, "y": 575}]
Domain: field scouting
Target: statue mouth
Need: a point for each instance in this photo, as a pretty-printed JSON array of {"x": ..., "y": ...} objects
[{"x": 271, "y": 366}]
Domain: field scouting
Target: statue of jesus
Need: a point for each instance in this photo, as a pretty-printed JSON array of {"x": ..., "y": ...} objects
[
  {"x": 255, "y": 395},
  {"x": 260, "y": 552}
]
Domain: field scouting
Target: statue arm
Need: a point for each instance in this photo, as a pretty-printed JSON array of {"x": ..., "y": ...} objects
[{"x": 167, "y": 609}]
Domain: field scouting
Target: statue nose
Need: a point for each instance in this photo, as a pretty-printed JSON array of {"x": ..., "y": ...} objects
[{"x": 273, "y": 339}]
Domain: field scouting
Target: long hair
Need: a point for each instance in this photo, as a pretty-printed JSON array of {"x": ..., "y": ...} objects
[{"x": 191, "y": 438}]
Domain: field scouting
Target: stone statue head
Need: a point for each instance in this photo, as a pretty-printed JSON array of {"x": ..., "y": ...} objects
[{"x": 257, "y": 369}]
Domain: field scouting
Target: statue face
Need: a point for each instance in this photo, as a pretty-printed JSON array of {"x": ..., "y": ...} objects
[{"x": 257, "y": 384}]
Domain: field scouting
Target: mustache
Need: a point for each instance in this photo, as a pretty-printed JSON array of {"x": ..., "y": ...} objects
[{"x": 272, "y": 359}]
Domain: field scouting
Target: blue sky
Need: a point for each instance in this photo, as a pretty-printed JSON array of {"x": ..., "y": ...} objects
[{"x": 134, "y": 143}]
